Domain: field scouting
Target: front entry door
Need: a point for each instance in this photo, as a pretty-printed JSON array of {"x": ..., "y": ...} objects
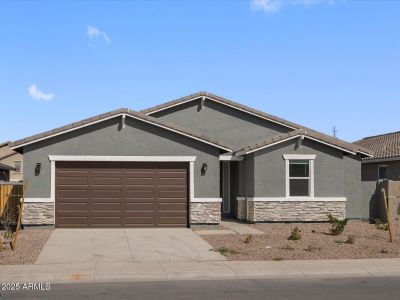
[{"x": 226, "y": 187}]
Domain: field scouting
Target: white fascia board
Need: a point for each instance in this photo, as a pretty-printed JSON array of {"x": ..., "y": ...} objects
[
  {"x": 63, "y": 132},
  {"x": 206, "y": 200},
  {"x": 220, "y": 102},
  {"x": 305, "y": 136},
  {"x": 39, "y": 200},
  {"x": 297, "y": 199},
  {"x": 230, "y": 158},
  {"x": 122, "y": 158},
  {"x": 119, "y": 115},
  {"x": 300, "y": 156}
]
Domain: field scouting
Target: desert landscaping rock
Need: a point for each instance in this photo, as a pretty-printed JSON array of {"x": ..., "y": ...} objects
[
  {"x": 315, "y": 242},
  {"x": 30, "y": 243}
]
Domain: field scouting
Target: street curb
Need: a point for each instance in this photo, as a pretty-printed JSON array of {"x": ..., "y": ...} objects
[{"x": 211, "y": 270}]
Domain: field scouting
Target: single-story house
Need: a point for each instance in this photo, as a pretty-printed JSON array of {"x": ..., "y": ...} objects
[
  {"x": 385, "y": 165},
  {"x": 11, "y": 158},
  {"x": 188, "y": 161}
]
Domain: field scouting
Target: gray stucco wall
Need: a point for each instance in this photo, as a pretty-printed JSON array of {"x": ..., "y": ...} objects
[
  {"x": 335, "y": 175},
  {"x": 269, "y": 169},
  {"x": 138, "y": 138},
  {"x": 221, "y": 122}
]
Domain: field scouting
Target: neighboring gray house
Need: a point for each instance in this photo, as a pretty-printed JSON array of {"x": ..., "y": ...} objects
[
  {"x": 385, "y": 165},
  {"x": 188, "y": 161}
]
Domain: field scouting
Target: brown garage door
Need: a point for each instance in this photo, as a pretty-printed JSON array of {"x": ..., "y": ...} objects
[{"x": 109, "y": 194}]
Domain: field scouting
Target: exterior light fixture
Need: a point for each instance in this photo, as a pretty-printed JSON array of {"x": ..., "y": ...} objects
[
  {"x": 203, "y": 169},
  {"x": 37, "y": 169}
]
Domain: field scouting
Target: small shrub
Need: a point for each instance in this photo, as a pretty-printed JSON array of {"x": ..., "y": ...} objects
[
  {"x": 380, "y": 225},
  {"x": 312, "y": 248},
  {"x": 287, "y": 247},
  {"x": 339, "y": 241},
  {"x": 350, "y": 239},
  {"x": 278, "y": 258},
  {"x": 383, "y": 250},
  {"x": 295, "y": 234},
  {"x": 225, "y": 250},
  {"x": 337, "y": 226},
  {"x": 248, "y": 239}
]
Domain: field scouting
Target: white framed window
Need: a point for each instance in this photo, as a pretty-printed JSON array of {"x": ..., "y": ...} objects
[
  {"x": 383, "y": 172},
  {"x": 17, "y": 166},
  {"x": 299, "y": 175}
]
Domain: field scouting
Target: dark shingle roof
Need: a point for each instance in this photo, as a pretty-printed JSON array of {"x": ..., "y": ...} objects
[
  {"x": 384, "y": 145},
  {"x": 307, "y": 133},
  {"x": 128, "y": 112}
]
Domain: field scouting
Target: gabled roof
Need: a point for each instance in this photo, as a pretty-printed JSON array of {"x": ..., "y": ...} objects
[
  {"x": 306, "y": 133},
  {"x": 223, "y": 101},
  {"x": 120, "y": 112},
  {"x": 384, "y": 145},
  {"x": 297, "y": 129}
]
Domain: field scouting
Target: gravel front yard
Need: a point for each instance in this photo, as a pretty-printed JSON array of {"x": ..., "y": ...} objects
[
  {"x": 29, "y": 244},
  {"x": 315, "y": 242}
]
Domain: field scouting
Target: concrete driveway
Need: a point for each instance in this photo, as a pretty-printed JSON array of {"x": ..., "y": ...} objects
[{"x": 125, "y": 245}]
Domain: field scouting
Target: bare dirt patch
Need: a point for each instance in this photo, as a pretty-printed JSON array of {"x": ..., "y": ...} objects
[
  {"x": 359, "y": 240},
  {"x": 29, "y": 244}
]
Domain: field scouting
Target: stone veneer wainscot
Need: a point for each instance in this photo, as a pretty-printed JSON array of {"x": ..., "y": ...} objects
[
  {"x": 38, "y": 213},
  {"x": 295, "y": 211},
  {"x": 205, "y": 213}
]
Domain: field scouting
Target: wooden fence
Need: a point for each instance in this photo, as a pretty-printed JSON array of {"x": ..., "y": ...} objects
[{"x": 10, "y": 195}]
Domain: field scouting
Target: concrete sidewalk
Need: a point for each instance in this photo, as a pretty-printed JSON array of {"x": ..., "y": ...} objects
[{"x": 125, "y": 272}]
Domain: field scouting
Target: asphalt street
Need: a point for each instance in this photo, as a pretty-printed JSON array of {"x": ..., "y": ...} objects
[{"x": 345, "y": 288}]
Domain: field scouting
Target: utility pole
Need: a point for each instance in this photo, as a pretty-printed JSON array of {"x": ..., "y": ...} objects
[{"x": 334, "y": 130}]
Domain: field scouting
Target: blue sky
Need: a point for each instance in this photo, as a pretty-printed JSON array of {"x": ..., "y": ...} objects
[{"x": 315, "y": 62}]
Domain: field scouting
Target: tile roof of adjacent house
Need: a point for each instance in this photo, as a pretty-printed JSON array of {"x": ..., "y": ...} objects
[
  {"x": 384, "y": 145},
  {"x": 122, "y": 111},
  {"x": 6, "y": 167},
  {"x": 307, "y": 133},
  {"x": 4, "y": 143}
]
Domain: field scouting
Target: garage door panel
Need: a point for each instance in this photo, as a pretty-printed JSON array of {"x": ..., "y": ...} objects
[
  {"x": 139, "y": 222},
  {"x": 106, "y": 220},
  {"x": 172, "y": 206},
  {"x": 128, "y": 207},
  {"x": 73, "y": 207},
  {"x": 107, "y": 207},
  {"x": 78, "y": 220},
  {"x": 172, "y": 193},
  {"x": 72, "y": 194},
  {"x": 78, "y": 180},
  {"x": 100, "y": 194},
  {"x": 172, "y": 181},
  {"x": 106, "y": 193},
  {"x": 105, "y": 181},
  {"x": 139, "y": 194}
]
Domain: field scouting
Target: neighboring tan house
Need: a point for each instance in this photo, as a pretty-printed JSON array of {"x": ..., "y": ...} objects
[
  {"x": 188, "y": 161},
  {"x": 5, "y": 172},
  {"x": 12, "y": 159},
  {"x": 385, "y": 165}
]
